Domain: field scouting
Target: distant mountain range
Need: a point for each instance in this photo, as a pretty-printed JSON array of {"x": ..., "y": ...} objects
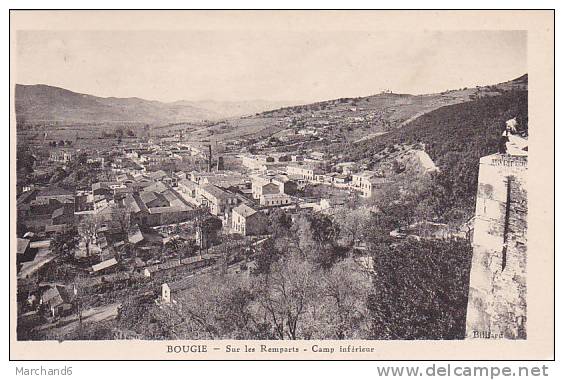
[{"x": 42, "y": 103}]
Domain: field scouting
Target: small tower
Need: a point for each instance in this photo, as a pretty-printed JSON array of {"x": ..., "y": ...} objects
[{"x": 220, "y": 164}]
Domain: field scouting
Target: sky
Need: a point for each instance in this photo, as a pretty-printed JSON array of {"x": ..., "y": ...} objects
[{"x": 277, "y": 65}]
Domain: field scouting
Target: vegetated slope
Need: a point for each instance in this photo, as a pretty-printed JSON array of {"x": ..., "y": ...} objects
[
  {"x": 351, "y": 119},
  {"x": 359, "y": 116},
  {"x": 42, "y": 103},
  {"x": 455, "y": 137}
]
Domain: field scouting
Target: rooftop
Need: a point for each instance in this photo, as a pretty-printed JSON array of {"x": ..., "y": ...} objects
[
  {"x": 157, "y": 174},
  {"x": 56, "y": 295},
  {"x": 163, "y": 210},
  {"x": 135, "y": 235},
  {"x": 53, "y": 191},
  {"x": 147, "y": 196},
  {"x": 188, "y": 184},
  {"x": 58, "y": 212},
  {"x": 379, "y": 180},
  {"x": 157, "y": 187},
  {"x": 244, "y": 210},
  {"x": 215, "y": 191},
  {"x": 23, "y": 245},
  {"x": 170, "y": 197},
  {"x": 100, "y": 185},
  {"x": 131, "y": 203},
  {"x": 367, "y": 174},
  {"x": 104, "y": 265}
]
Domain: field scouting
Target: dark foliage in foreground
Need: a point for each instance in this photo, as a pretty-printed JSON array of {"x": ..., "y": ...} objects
[{"x": 420, "y": 290}]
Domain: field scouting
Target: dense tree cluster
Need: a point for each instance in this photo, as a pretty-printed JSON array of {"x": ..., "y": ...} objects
[
  {"x": 307, "y": 282},
  {"x": 420, "y": 290},
  {"x": 24, "y": 160}
]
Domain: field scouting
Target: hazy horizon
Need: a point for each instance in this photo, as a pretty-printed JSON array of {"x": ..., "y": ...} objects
[{"x": 273, "y": 66}]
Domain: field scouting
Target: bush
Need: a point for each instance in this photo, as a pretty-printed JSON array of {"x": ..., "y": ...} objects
[{"x": 420, "y": 290}]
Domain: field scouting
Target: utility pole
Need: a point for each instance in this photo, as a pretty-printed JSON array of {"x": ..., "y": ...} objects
[{"x": 78, "y": 303}]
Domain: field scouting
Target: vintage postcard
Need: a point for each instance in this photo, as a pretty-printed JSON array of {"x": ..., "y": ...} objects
[{"x": 282, "y": 185}]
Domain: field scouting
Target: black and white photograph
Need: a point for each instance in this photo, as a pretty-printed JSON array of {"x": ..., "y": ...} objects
[{"x": 190, "y": 183}]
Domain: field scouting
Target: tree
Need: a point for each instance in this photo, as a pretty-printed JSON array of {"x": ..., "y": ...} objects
[
  {"x": 315, "y": 229},
  {"x": 267, "y": 254},
  {"x": 316, "y": 238},
  {"x": 82, "y": 158},
  {"x": 352, "y": 223},
  {"x": 58, "y": 175},
  {"x": 344, "y": 291},
  {"x": 285, "y": 295},
  {"x": 207, "y": 227},
  {"x": 87, "y": 229},
  {"x": 420, "y": 290},
  {"x": 174, "y": 244},
  {"x": 280, "y": 223},
  {"x": 293, "y": 300},
  {"x": 353, "y": 201},
  {"x": 119, "y": 133},
  {"x": 24, "y": 161},
  {"x": 81, "y": 290},
  {"x": 397, "y": 202},
  {"x": 64, "y": 243},
  {"x": 216, "y": 307},
  {"x": 122, "y": 216}
]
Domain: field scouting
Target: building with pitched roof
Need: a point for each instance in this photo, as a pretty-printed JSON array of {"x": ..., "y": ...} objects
[
  {"x": 187, "y": 187},
  {"x": 245, "y": 220},
  {"x": 307, "y": 172},
  {"x": 218, "y": 201},
  {"x": 157, "y": 175},
  {"x": 56, "y": 194},
  {"x": 276, "y": 199},
  {"x": 367, "y": 182},
  {"x": 58, "y": 299},
  {"x": 62, "y": 215},
  {"x": 24, "y": 251}
]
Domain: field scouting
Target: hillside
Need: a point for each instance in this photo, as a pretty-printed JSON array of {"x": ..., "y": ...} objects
[
  {"x": 351, "y": 119},
  {"x": 475, "y": 125},
  {"x": 229, "y": 109},
  {"x": 41, "y": 103},
  {"x": 455, "y": 137}
]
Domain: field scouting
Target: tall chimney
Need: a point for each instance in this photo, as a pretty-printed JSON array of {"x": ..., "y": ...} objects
[{"x": 209, "y": 158}]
